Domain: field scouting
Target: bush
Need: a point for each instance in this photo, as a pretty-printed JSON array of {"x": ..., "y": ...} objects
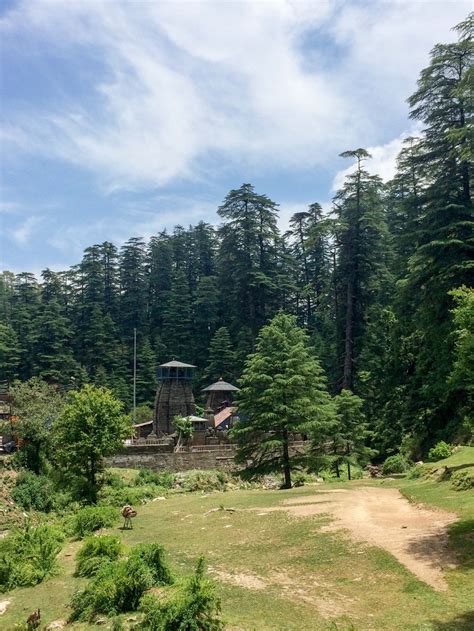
[
  {"x": 395, "y": 464},
  {"x": 197, "y": 480},
  {"x": 95, "y": 552},
  {"x": 164, "y": 479},
  {"x": 34, "y": 492},
  {"x": 194, "y": 608},
  {"x": 28, "y": 556},
  {"x": 463, "y": 480},
  {"x": 91, "y": 518},
  {"x": 117, "y": 587},
  {"x": 153, "y": 555},
  {"x": 129, "y": 495},
  {"x": 440, "y": 451}
]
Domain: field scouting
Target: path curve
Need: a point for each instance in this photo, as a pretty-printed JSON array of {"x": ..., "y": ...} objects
[{"x": 416, "y": 535}]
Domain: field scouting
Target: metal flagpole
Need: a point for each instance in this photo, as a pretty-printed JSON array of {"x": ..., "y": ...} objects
[{"x": 134, "y": 376}]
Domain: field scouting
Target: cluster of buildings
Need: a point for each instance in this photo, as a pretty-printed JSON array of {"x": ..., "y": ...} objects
[{"x": 174, "y": 397}]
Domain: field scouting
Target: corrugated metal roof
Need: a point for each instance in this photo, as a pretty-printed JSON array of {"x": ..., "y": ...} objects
[
  {"x": 176, "y": 364},
  {"x": 221, "y": 385},
  {"x": 223, "y": 415}
]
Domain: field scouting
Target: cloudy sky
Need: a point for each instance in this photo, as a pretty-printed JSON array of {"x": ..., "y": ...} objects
[{"x": 122, "y": 118}]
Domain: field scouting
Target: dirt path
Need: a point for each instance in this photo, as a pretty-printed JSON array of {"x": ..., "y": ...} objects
[{"x": 416, "y": 536}]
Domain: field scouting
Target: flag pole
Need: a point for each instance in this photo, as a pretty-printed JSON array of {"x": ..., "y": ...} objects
[{"x": 134, "y": 376}]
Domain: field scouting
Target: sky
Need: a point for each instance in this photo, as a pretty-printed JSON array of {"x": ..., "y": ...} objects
[{"x": 121, "y": 119}]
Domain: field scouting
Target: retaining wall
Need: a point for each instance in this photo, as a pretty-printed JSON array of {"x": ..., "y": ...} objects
[{"x": 157, "y": 458}]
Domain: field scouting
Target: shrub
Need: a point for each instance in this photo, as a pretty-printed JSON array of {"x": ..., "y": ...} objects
[
  {"x": 91, "y": 518},
  {"x": 463, "y": 480},
  {"x": 129, "y": 495},
  {"x": 197, "y": 480},
  {"x": 395, "y": 464},
  {"x": 34, "y": 492},
  {"x": 95, "y": 552},
  {"x": 440, "y": 451},
  {"x": 153, "y": 555},
  {"x": 28, "y": 556},
  {"x": 299, "y": 479},
  {"x": 117, "y": 587},
  {"x": 194, "y": 608},
  {"x": 160, "y": 478}
]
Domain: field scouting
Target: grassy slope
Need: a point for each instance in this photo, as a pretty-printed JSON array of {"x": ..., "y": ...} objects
[{"x": 313, "y": 579}]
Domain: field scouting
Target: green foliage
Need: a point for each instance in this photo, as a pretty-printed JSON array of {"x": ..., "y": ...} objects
[
  {"x": 440, "y": 451},
  {"x": 37, "y": 405},
  {"x": 119, "y": 585},
  {"x": 461, "y": 379},
  {"x": 463, "y": 480},
  {"x": 153, "y": 555},
  {"x": 160, "y": 478},
  {"x": 193, "y": 608},
  {"x": 200, "y": 480},
  {"x": 91, "y": 427},
  {"x": 28, "y": 556},
  {"x": 95, "y": 552},
  {"x": 91, "y": 518},
  {"x": 222, "y": 360},
  {"x": 184, "y": 429},
  {"x": 129, "y": 495},
  {"x": 34, "y": 492},
  {"x": 283, "y": 391},
  {"x": 395, "y": 464}
]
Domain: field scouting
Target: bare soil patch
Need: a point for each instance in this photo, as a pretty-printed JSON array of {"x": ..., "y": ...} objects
[{"x": 415, "y": 535}]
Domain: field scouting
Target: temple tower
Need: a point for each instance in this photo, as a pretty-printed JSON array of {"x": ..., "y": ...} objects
[
  {"x": 220, "y": 395},
  {"x": 174, "y": 395}
]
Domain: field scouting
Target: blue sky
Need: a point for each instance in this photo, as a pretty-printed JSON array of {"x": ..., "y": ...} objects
[{"x": 121, "y": 119}]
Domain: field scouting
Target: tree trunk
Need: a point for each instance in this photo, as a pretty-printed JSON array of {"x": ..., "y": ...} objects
[
  {"x": 349, "y": 335},
  {"x": 349, "y": 470},
  {"x": 286, "y": 461},
  {"x": 338, "y": 473}
]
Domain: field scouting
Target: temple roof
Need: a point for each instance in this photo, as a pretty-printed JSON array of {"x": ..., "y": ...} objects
[
  {"x": 176, "y": 364},
  {"x": 222, "y": 386}
]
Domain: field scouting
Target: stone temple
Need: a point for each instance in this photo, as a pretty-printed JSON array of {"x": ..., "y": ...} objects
[{"x": 174, "y": 395}]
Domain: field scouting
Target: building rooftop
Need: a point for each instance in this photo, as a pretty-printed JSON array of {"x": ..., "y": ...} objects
[
  {"x": 222, "y": 386},
  {"x": 176, "y": 364}
]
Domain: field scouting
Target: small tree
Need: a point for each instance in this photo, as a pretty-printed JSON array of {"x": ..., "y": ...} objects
[
  {"x": 91, "y": 427},
  {"x": 350, "y": 432},
  {"x": 35, "y": 406},
  {"x": 283, "y": 391},
  {"x": 184, "y": 429}
]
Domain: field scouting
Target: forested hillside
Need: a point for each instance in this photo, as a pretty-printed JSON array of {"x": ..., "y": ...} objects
[{"x": 373, "y": 283}]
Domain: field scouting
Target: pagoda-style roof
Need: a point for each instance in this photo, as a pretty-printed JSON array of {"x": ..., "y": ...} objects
[
  {"x": 176, "y": 364},
  {"x": 221, "y": 386}
]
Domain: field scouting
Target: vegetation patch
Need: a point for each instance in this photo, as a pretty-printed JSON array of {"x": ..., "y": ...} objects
[
  {"x": 95, "y": 552},
  {"x": 28, "y": 555},
  {"x": 91, "y": 518}
]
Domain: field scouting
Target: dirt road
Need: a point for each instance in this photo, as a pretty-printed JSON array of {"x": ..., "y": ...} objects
[{"x": 416, "y": 536}]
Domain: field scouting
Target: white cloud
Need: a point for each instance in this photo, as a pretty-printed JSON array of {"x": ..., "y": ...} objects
[
  {"x": 188, "y": 88},
  {"x": 383, "y": 161},
  {"x": 24, "y": 231}
]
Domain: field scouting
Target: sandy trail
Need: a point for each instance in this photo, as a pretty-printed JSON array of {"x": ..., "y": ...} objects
[{"x": 415, "y": 535}]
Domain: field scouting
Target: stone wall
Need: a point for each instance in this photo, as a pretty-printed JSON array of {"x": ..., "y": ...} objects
[{"x": 159, "y": 457}]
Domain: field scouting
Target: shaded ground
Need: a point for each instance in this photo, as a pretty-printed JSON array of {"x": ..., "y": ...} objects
[{"x": 416, "y": 536}]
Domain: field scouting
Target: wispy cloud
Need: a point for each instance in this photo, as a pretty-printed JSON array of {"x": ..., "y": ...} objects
[
  {"x": 184, "y": 88},
  {"x": 25, "y": 230}
]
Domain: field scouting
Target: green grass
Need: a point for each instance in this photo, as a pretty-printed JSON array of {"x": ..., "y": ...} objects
[{"x": 283, "y": 572}]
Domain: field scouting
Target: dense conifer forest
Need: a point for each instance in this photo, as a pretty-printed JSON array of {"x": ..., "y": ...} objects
[{"x": 380, "y": 284}]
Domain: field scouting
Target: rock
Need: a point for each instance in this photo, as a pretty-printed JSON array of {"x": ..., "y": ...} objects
[
  {"x": 101, "y": 621},
  {"x": 4, "y": 605},
  {"x": 156, "y": 499},
  {"x": 56, "y": 624},
  {"x": 132, "y": 619}
]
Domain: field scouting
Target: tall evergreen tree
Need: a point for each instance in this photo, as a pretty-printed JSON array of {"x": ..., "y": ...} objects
[{"x": 283, "y": 392}]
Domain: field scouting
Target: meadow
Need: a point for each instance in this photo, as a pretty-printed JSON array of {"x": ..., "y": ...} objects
[{"x": 278, "y": 570}]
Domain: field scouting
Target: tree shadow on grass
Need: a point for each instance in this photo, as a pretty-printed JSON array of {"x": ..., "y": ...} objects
[
  {"x": 454, "y": 548},
  {"x": 462, "y": 622},
  {"x": 461, "y": 540}
]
